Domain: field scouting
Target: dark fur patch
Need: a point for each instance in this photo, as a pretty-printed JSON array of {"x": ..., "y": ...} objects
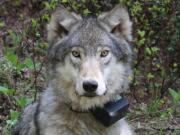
[{"x": 36, "y": 117}]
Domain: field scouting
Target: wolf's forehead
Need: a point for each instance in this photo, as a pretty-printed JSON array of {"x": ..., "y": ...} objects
[{"x": 89, "y": 33}]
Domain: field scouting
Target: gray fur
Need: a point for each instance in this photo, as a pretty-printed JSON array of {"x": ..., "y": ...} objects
[{"x": 63, "y": 107}]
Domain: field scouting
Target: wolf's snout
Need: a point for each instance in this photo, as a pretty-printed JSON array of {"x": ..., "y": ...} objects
[{"x": 90, "y": 86}]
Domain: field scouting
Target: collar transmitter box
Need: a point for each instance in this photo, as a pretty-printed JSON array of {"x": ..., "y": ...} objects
[{"x": 111, "y": 112}]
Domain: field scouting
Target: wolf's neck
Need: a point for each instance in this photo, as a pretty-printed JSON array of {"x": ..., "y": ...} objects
[{"x": 84, "y": 104}]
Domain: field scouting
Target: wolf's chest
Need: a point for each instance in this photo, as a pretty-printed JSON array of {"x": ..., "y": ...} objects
[{"x": 77, "y": 124}]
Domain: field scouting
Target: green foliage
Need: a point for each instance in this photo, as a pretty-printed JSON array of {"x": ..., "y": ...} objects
[
  {"x": 16, "y": 39},
  {"x": 13, "y": 118},
  {"x": 2, "y": 24},
  {"x": 141, "y": 41},
  {"x": 157, "y": 36},
  {"x": 167, "y": 113},
  {"x": 23, "y": 101},
  {"x": 14, "y": 115},
  {"x": 136, "y": 8},
  {"x": 155, "y": 105},
  {"x": 175, "y": 95},
  {"x": 12, "y": 57},
  {"x": 34, "y": 23},
  {"x": 86, "y": 12},
  {"x": 4, "y": 90},
  {"x": 52, "y": 4}
]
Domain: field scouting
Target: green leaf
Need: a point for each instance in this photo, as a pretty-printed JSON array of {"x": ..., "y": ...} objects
[
  {"x": 6, "y": 90},
  {"x": 29, "y": 63},
  {"x": 175, "y": 65},
  {"x": 154, "y": 50},
  {"x": 12, "y": 58},
  {"x": 14, "y": 117},
  {"x": 86, "y": 12},
  {"x": 148, "y": 51},
  {"x": 47, "y": 5},
  {"x": 175, "y": 95},
  {"x": 34, "y": 22},
  {"x": 2, "y": 24},
  {"x": 23, "y": 101},
  {"x": 151, "y": 50},
  {"x": 141, "y": 33},
  {"x": 150, "y": 76},
  {"x": 141, "y": 42}
]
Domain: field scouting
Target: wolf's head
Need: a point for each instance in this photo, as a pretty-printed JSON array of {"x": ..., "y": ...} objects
[{"x": 89, "y": 58}]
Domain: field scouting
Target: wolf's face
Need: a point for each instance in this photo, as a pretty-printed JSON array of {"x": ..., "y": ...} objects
[
  {"x": 90, "y": 80},
  {"x": 90, "y": 58}
]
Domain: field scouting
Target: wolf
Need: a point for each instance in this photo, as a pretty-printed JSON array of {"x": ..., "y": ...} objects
[{"x": 89, "y": 65}]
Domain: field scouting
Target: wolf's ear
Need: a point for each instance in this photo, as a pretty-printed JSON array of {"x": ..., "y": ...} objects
[
  {"x": 62, "y": 21},
  {"x": 117, "y": 21}
]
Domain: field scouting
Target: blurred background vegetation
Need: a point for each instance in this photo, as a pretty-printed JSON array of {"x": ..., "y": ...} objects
[{"x": 155, "y": 91}]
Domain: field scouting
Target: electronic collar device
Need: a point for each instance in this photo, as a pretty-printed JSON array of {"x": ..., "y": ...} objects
[{"x": 111, "y": 112}]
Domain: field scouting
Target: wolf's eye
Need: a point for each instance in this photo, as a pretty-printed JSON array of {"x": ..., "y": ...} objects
[
  {"x": 76, "y": 54},
  {"x": 104, "y": 53}
]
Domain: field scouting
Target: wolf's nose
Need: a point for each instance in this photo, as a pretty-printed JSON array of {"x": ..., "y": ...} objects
[{"x": 90, "y": 86}]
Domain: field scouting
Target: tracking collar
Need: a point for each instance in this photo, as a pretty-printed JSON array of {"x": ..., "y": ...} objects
[{"x": 111, "y": 112}]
